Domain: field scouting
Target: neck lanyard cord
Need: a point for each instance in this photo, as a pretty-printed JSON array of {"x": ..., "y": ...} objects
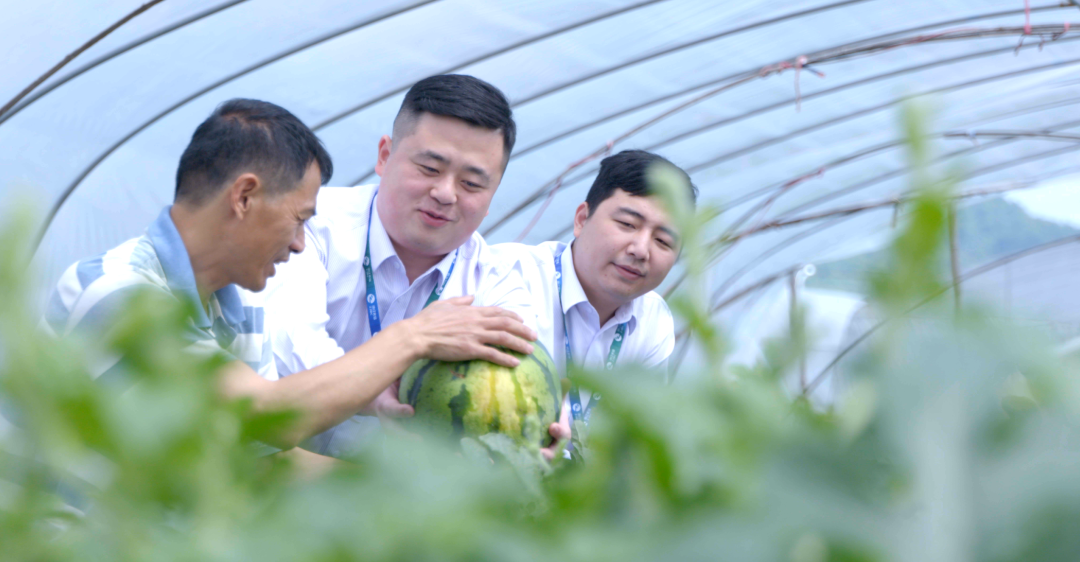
[{"x": 609, "y": 364}]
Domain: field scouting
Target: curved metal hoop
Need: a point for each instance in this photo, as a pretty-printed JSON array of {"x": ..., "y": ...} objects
[{"x": 113, "y": 54}]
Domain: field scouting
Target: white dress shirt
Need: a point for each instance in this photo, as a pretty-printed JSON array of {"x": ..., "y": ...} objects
[
  {"x": 650, "y": 330},
  {"x": 316, "y": 301}
]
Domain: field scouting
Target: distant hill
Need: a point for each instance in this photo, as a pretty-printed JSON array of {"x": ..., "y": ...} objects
[{"x": 985, "y": 231}]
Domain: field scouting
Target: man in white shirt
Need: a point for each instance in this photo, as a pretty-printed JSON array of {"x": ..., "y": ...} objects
[
  {"x": 599, "y": 308},
  {"x": 377, "y": 255},
  {"x": 246, "y": 184}
]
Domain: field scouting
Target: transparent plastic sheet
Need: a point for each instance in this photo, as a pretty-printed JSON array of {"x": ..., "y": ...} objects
[{"x": 578, "y": 74}]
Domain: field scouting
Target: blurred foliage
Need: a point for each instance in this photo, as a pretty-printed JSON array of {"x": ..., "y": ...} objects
[{"x": 955, "y": 441}]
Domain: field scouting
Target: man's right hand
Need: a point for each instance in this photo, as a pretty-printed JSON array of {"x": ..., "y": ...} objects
[
  {"x": 453, "y": 330},
  {"x": 386, "y": 404}
]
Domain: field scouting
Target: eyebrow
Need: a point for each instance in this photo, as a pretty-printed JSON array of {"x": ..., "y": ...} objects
[
  {"x": 478, "y": 171},
  {"x": 630, "y": 212},
  {"x": 640, "y": 216},
  {"x": 432, "y": 155}
]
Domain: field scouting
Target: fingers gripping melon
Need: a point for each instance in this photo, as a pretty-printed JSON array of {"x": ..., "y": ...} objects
[{"x": 473, "y": 398}]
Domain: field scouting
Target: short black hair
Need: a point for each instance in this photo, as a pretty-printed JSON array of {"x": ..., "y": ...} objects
[
  {"x": 248, "y": 135},
  {"x": 460, "y": 96},
  {"x": 627, "y": 171}
]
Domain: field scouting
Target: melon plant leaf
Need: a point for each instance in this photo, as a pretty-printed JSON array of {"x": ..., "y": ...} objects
[
  {"x": 474, "y": 451},
  {"x": 529, "y": 465}
]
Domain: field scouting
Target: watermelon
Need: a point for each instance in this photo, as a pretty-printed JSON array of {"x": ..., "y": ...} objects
[{"x": 472, "y": 398}]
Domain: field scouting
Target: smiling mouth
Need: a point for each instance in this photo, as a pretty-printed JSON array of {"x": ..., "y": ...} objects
[
  {"x": 629, "y": 271},
  {"x": 433, "y": 218}
]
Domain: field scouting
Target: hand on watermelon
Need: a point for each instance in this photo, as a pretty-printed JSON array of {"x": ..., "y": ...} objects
[
  {"x": 452, "y": 330},
  {"x": 388, "y": 409},
  {"x": 386, "y": 404},
  {"x": 560, "y": 434}
]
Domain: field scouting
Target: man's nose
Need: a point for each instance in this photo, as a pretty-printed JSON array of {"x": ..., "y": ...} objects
[
  {"x": 639, "y": 245},
  {"x": 297, "y": 245},
  {"x": 443, "y": 190}
]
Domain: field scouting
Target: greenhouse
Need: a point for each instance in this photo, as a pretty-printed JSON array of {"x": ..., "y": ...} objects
[{"x": 821, "y": 136}]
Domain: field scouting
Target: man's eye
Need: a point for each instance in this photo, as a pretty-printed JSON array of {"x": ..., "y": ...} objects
[
  {"x": 625, "y": 224},
  {"x": 664, "y": 243},
  {"x": 429, "y": 169},
  {"x": 472, "y": 185}
]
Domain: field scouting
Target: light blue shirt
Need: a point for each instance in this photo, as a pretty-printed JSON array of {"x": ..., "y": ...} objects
[{"x": 90, "y": 293}]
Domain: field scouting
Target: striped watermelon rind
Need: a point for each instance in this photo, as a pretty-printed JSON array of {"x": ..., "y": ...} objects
[{"x": 472, "y": 398}]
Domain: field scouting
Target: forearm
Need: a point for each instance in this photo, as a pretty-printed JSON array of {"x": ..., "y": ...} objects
[
  {"x": 308, "y": 465},
  {"x": 331, "y": 393},
  {"x": 326, "y": 395}
]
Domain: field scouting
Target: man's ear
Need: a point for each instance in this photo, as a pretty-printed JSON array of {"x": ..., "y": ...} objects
[
  {"x": 580, "y": 216},
  {"x": 242, "y": 193},
  {"x": 386, "y": 144}
]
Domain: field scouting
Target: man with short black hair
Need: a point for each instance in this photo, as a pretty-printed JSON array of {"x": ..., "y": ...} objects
[
  {"x": 599, "y": 308},
  {"x": 246, "y": 185},
  {"x": 378, "y": 255}
]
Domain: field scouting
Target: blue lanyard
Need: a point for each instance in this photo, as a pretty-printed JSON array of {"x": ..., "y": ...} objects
[
  {"x": 613, "y": 353},
  {"x": 369, "y": 278}
]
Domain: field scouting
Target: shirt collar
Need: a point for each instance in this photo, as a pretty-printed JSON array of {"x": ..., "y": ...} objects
[
  {"x": 176, "y": 263},
  {"x": 382, "y": 248},
  {"x": 573, "y": 294}
]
